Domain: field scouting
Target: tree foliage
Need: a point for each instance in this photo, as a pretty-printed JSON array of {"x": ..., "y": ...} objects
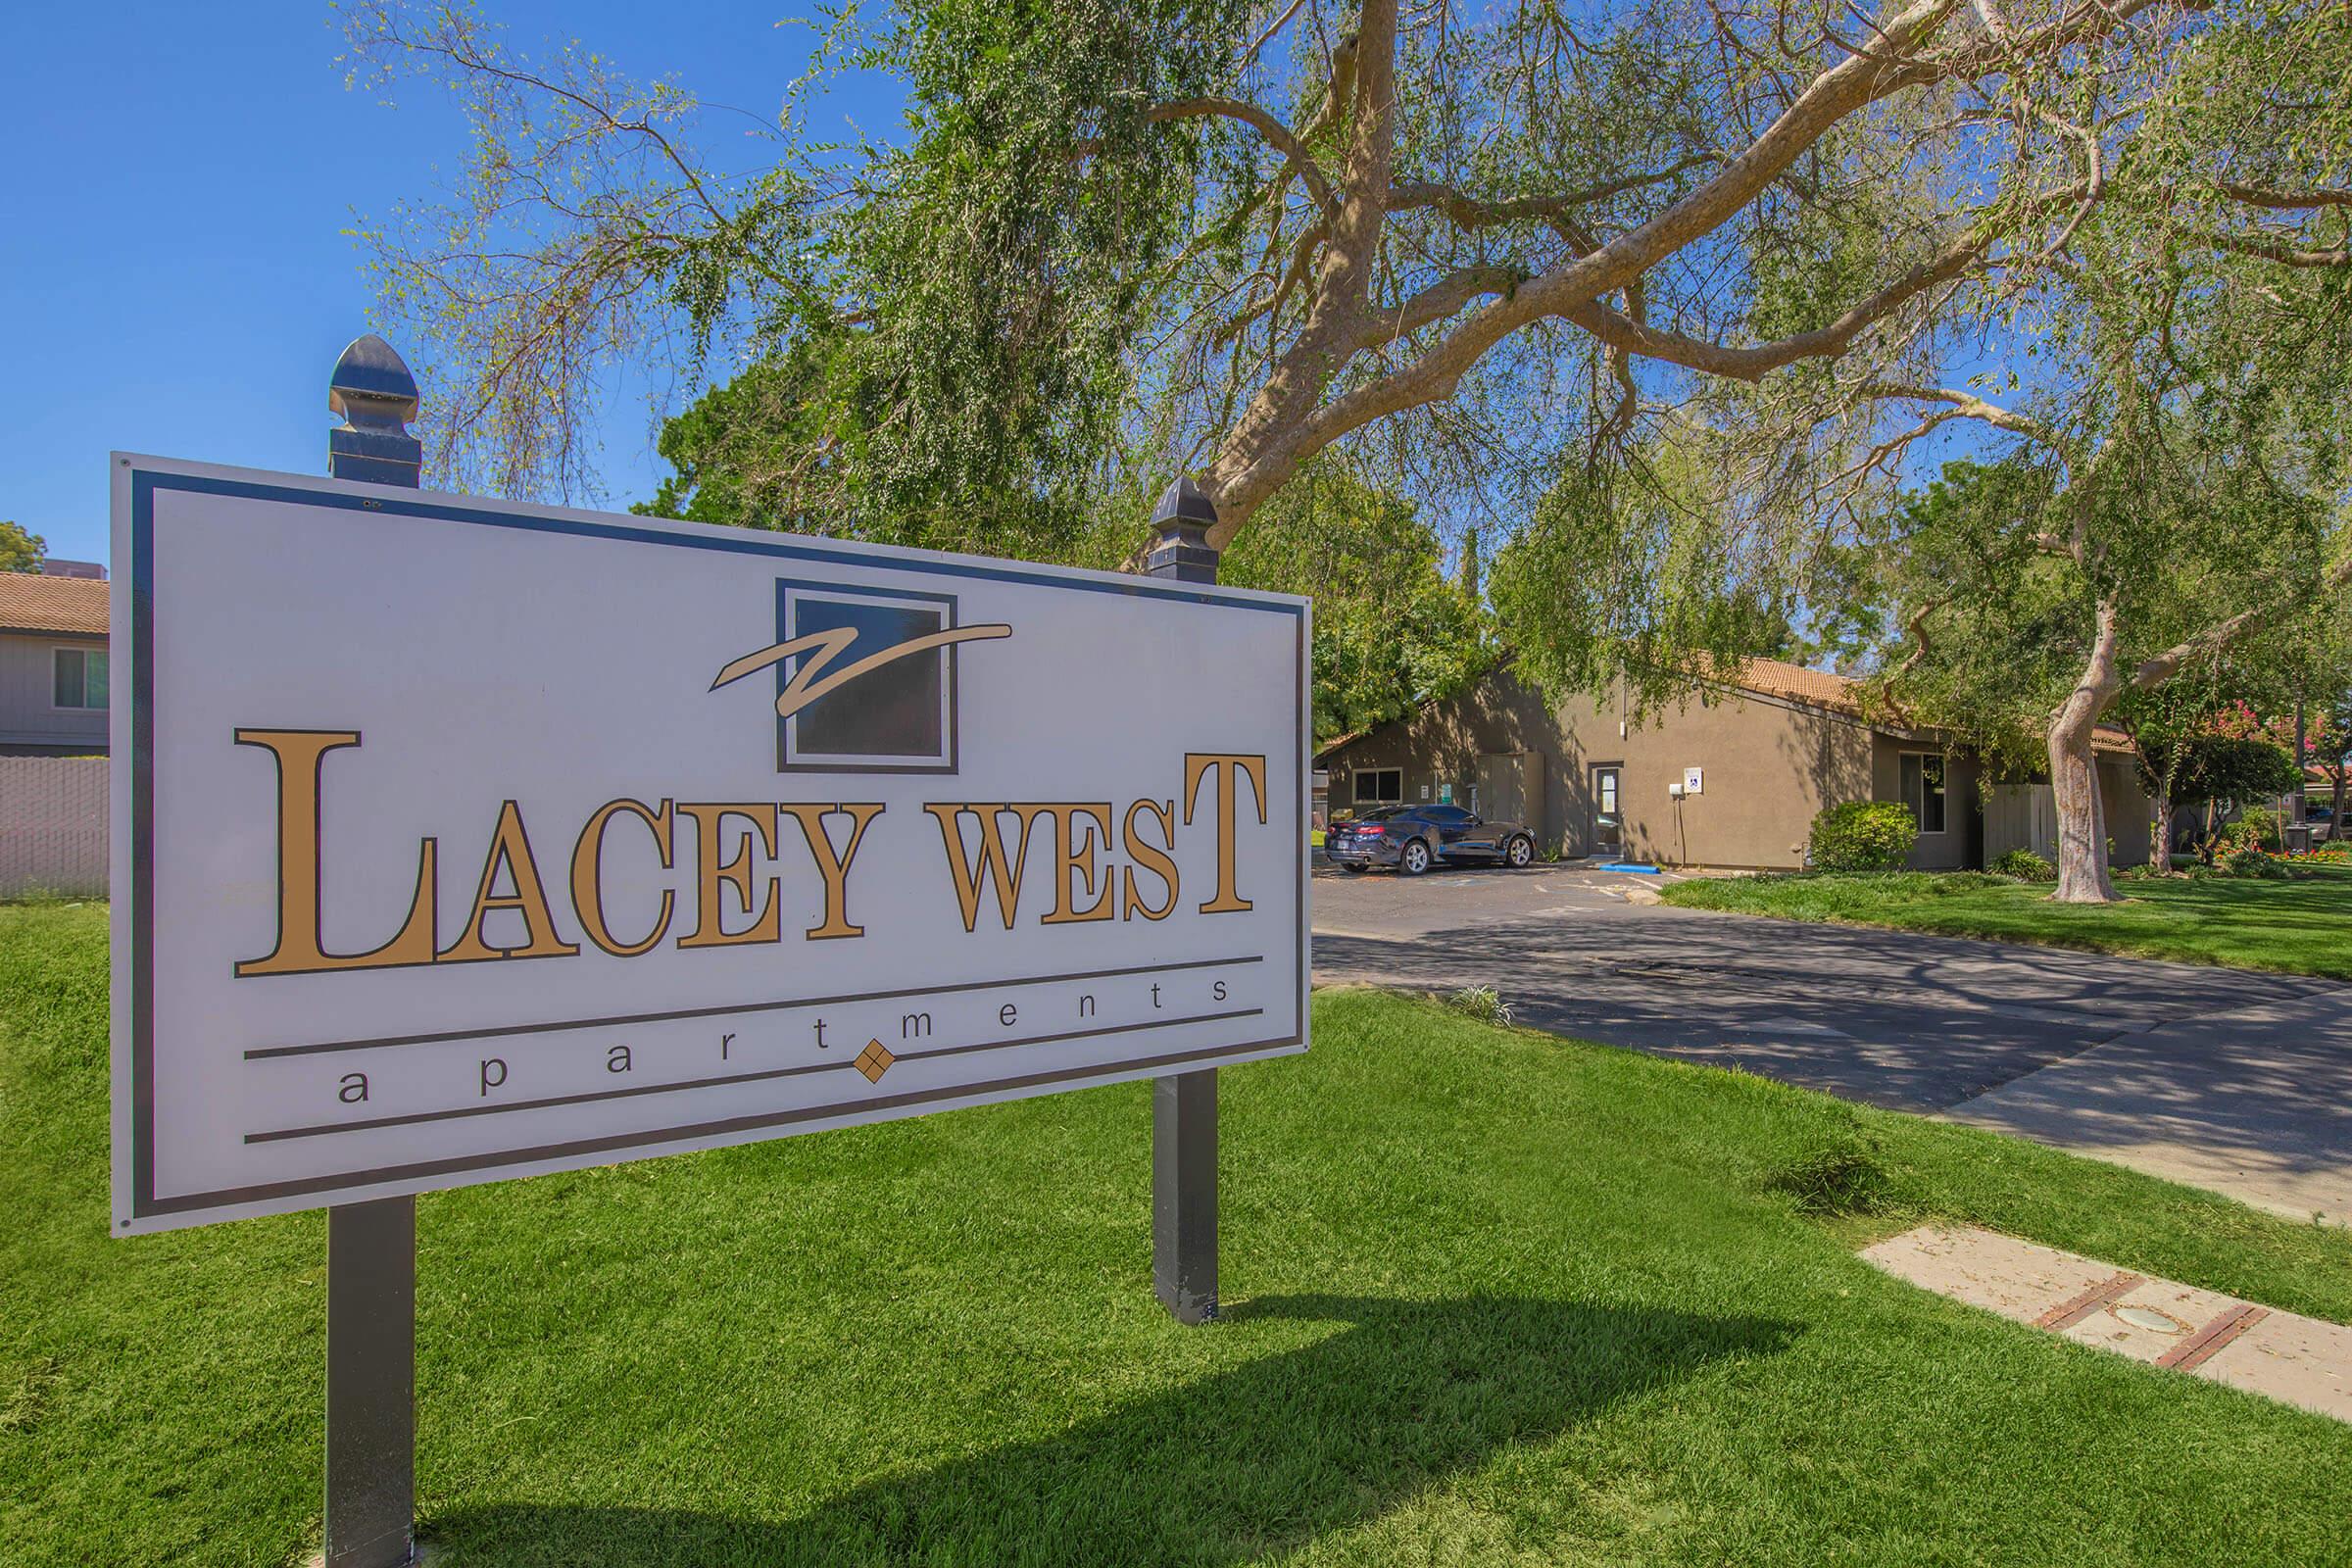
[
  {"x": 1391, "y": 630},
  {"x": 21, "y": 551},
  {"x": 1689, "y": 284},
  {"x": 1227, "y": 235},
  {"x": 2219, "y": 767}
]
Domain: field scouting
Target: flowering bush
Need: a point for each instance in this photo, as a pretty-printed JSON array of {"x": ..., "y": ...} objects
[{"x": 1863, "y": 836}]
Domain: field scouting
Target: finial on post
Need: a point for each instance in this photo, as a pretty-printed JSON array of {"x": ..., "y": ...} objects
[
  {"x": 376, "y": 395},
  {"x": 1180, "y": 524}
]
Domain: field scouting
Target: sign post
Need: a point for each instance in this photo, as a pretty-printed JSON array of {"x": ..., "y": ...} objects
[
  {"x": 372, "y": 1246},
  {"x": 1183, "y": 1106}
]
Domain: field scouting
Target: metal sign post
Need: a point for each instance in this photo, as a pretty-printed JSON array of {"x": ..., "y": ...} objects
[
  {"x": 372, "y": 1246},
  {"x": 1183, "y": 1106}
]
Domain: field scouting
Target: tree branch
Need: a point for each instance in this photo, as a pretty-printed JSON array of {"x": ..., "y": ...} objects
[
  {"x": 1277, "y": 134},
  {"x": 1473, "y": 212},
  {"x": 2163, "y": 667},
  {"x": 2286, "y": 201},
  {"x": 2281, "y": 251}
]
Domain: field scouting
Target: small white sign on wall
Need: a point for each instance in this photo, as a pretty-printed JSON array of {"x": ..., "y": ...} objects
[
  {"x": 457, "y": 840},
  {"x": 1691, "y": 780}
]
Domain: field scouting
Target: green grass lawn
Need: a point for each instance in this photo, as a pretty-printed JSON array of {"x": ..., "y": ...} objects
[
  {"x": 1495, "y": 1298},
  {"x": 2302, "y": 926}
]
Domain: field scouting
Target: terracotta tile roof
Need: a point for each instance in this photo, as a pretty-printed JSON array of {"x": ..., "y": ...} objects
[
  {"x": 33, "y": 603},
  {"x": 1818, "y": 688}
]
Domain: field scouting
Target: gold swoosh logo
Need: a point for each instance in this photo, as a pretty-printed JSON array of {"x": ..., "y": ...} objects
[{"x": 812, "y": 678}]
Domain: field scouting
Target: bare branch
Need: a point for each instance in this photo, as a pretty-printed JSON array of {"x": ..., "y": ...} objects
[{"x": 1277, "y": 134}]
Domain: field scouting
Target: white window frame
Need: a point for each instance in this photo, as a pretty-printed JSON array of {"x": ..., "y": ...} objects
[
  {"x": 85, "y": 705},
  {"x": 1356, "y": 787},
  {"x": 1917, "y": 804}
]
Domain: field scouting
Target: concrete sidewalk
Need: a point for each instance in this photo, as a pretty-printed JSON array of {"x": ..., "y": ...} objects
[
  {"x": 2284, "y": 1355},
  {"x": 2254, "y": 1101}
]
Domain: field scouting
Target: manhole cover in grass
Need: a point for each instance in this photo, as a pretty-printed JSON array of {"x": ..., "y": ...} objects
[{"x": 2147, "y": 1317}]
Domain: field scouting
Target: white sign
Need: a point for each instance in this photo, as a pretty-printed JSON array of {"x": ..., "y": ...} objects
[
  {"x": 457, "y": 840},
  {"x": 1691, "y": 779}
]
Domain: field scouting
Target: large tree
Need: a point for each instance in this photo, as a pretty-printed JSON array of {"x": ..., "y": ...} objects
[{"x": 1468, "y": 246}]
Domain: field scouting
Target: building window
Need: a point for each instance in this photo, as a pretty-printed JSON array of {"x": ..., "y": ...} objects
[
  {"x": 1379, "y": 786},
  {"x": 79, "y": 677},
  {"x": 1922, "y": 790}
]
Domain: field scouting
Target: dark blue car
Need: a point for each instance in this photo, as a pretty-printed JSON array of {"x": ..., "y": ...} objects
[{"x": 1412, "y": 838}]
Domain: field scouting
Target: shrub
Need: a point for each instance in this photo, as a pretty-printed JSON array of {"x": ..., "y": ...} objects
[
  {"x": 2256, "y": 828},
  {"x": 2248, "y": 861},
  {"x": 1863, "y": 836},
  {"x": 2025, "y": 867},
  {"x": 1482, "y": 1003}
]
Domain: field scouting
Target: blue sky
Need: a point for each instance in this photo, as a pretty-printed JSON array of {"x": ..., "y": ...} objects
[{"x": 175, "y": 272}]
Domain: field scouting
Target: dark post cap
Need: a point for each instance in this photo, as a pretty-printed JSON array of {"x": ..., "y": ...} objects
[
  {"x": 376, "y": 395},
  {"x": 1185, "y": 502},
  {"x": 1180, "y": 524}
]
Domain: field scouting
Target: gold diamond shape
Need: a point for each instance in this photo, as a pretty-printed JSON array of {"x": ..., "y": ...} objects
[{"x": 873, "y": 1062}]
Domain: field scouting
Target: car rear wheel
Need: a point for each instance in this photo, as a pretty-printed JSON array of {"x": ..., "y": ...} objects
[
  {"x": 1519, "y": 852},
  {"x": 1415, "y": 859}
]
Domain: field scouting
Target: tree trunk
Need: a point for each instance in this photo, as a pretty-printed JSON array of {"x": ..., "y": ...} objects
[
  {"x": 2160, "y": 846},
  {"x": 2335, "y": 815},
  {"x": 2075, "y": 775}
]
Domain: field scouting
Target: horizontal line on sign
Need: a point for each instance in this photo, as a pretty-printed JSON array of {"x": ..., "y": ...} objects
[
  {"x": 667, "y": 1139},
  {"x": 266, "y": 1053},
  {"x": 415, "y": 1118}
]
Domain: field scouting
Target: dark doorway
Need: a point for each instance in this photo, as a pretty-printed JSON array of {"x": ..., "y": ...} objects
[{"x": 1608, "y": 823}]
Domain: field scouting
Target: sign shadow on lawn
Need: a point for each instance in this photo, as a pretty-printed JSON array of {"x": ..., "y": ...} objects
[{"x": 1245, "y": 1463}]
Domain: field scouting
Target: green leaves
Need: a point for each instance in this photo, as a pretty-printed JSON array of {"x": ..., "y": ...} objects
[
  {"x": 1391, "y": 632},
  {"x": 988, "y": 288},
  {"x": 21, "y": 551}
]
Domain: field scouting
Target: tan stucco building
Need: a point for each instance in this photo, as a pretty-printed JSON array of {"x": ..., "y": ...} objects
[{"x": 1731, "y": 778}]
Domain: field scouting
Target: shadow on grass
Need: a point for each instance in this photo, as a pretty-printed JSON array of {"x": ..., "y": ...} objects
[{"x": 1244, "y": 1463}]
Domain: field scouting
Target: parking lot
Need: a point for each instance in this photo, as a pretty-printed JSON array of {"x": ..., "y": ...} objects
[
  {"x": 2221, "y": 1077},
  {"x": 1385, "y": 905}
]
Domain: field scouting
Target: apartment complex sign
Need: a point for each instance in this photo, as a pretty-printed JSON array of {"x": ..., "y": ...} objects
[{"x": 461, "y": 840}]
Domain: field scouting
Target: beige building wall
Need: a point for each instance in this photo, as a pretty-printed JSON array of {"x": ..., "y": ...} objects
[
  {"x": 1766, "y": 768},
  {"x": 1961, "y": 843},
  {"x": 29, "y": 715}
]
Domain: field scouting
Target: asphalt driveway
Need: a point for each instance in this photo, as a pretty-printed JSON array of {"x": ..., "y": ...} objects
[{"x": 2224, "y": 1078}]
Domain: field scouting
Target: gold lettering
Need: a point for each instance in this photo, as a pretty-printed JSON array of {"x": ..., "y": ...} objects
[
  {"x": 587, "y": 874},
  {"x": 1076, "y": 857},
  {"x": 511, "y": 847},
  {"x": 709, "y": 930},
  {"x": 1198, "y": 765},
  {"x": 835, "y": 868},
  {"x": 301, "y": 756},
  {"x": 1153, "y": 857},
  {"x": 971, "y": 876}
]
